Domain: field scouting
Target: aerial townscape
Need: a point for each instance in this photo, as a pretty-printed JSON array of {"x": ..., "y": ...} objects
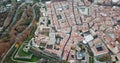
[{"x": 59, "y": 31}]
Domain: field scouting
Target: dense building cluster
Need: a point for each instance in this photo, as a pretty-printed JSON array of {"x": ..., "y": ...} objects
[{"x": 94, "y": 23}]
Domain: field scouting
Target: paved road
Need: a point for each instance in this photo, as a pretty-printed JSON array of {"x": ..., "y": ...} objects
[
  {"x": 16, "y": 14},
  {"x": 14, "y": 19},
  {"x": 7, "y": 29},
  {"x": 7, "y": 52},
  {"x": 5, "y": 33},
  {"x": 34, "y": 10},
  {"x": 66, "y": 42}
]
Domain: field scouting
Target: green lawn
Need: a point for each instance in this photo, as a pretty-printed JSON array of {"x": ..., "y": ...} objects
[
  {"x": 91, "y": 58},
  {"x": 9, "y": 60},
  {"x": 23, "y": 53},
  {"x": 90, "y": 52},
  {"x": 33, "y": 59}
]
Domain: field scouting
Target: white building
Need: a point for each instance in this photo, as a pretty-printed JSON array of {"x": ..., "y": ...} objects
[{"x": 52, "y": 39}]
